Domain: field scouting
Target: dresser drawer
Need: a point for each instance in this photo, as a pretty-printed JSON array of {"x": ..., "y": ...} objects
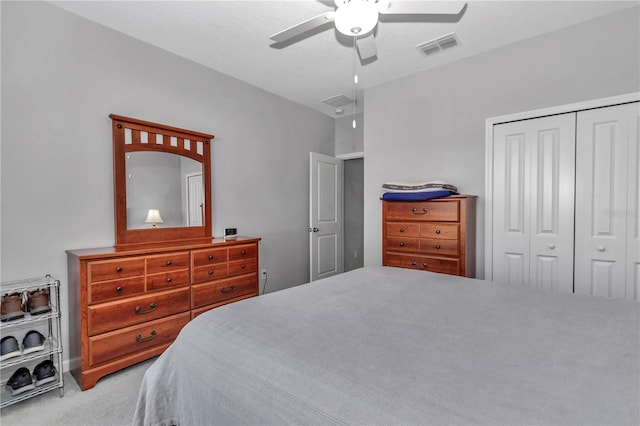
[
  {"x": 243, "y": 266},
  {"x": 208, "y": 294},
  {"x": 167, "y": 262},
  {"x": 215, "y": 271},
  {"x": 425, "y": 263},
  {"x": 402, "y": 244},
  {"x": 439, "y": 247},
  {"x": 209, "y": 256},
  {"x": 115, "y": 289},
  {"x": 105, "y": 270},
  {"x": 247, "y": 251},
  {"x": 130, "y": 340},
  {"x": 447, "y": 231},
  {"x": 122, "y": 313},
  {"x": 447, "y": 211},
  {"x": 403, "y": 229},
  {"x": 167, "y": 280}
]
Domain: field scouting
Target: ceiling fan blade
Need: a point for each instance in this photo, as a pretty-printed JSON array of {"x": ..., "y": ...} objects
[
  {"x": 303, "y": 27},
  {"x": 367, "y": 47},
  {"x": 424, "y": 8}
]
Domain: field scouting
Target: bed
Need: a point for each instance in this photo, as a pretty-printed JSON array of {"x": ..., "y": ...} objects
[{"x": 382, "y": 345}]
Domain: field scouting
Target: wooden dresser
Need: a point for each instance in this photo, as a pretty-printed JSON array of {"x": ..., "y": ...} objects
[
  {"x": 436, "y": 235},
  {"x": 129, "y": 305}
]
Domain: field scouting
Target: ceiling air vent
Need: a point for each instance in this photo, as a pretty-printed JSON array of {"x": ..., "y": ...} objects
[
  {"x": 338, "y": 101},
  {"x": 438, "y": 44}
]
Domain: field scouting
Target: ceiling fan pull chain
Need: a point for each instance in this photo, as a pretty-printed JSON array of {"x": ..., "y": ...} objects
[{"x": 355, "y": 79}]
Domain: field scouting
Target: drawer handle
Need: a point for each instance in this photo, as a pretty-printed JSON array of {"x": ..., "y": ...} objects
[
  {"x": 424, "y": 265},
  {"x": 153, "y": 335},
  {"x": 242, "y": 266},
  {"x": 401, "y": 229},
  {"x": 210, "y": 271},
  {"x": 210, "y": 257},
  {"x": 415, "y": 211},
  {"x": 243, "y": 252},
  {"x": 413, "y": 263},
  {"x": 401, "y": 244},
  {"x": 139, "y": 310},
  {"x": 119, "y": 288},
  {"x": 169, "y": 280},
  {"x": 224, "y": 290},
  {"x": 119, "y": 269},
  {"x": 437, "y": 246},
  {"x": 437, "y": 231},
  {"x": 168, "y": 262}
]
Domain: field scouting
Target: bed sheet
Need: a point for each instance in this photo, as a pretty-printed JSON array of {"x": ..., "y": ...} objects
[{"x": 382, "y": 345}]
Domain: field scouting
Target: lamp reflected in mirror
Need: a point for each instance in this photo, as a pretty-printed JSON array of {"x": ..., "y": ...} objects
[{"x": 153, "y": 217}]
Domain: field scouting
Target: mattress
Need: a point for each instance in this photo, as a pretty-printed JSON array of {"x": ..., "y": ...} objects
[{"x": 382, "y": 345}]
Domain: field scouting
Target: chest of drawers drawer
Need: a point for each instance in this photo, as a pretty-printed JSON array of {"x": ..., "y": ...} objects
[
  {"x": 165, "y": 280},
  {"x": 220, "y": 291},
  {"x": 135, "y": 310},
  {"x": 116, "y": 289},
  {"x": 167, "y": 262},
  {"x": 424, "y": 263},
  {"x": 209, "y": 256},
  {"x": 423, "y": 211},
  {"x": 214, "y": 271},
  {"x": 130, "y": 340},
  {"x": 246, "y": 251},
  {"x": 115, "y": 269}
]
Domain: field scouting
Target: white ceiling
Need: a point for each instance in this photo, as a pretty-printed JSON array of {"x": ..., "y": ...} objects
[{"x": 233, "y": 37}]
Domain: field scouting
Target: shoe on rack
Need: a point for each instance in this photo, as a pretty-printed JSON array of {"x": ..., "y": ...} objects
[
  {"x": 44, "y": 372},
  {"x": 9, "y": 348},
  {"x": 33, "y": 341},
  {"x": 12, "y": 307},
  {"x": 20, "y": 381},
  {"x": 38, "y": 301}
]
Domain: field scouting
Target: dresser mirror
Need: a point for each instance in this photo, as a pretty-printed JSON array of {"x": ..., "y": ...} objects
[{"x": 162, "y": 180}]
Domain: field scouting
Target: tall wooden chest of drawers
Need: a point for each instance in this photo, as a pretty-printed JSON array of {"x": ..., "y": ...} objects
[
  {"x": 129, "y": 305},
  {"x": 437, "y": 235}
]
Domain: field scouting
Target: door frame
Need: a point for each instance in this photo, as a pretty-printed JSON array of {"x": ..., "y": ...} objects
[{"x": 488, "y": 178}]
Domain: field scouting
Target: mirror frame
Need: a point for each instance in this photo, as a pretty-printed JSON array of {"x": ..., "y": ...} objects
[{"x": 133, "y": 238}]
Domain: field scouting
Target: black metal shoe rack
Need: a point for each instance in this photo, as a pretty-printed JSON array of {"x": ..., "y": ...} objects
[{"x": 47, "y": 323}]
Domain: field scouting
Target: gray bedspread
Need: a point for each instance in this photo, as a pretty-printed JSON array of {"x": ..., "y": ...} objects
[{"x": 386, "y": 346}]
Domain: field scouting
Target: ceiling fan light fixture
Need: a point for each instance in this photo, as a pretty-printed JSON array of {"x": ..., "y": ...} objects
[{"x": 357, "y": 17}]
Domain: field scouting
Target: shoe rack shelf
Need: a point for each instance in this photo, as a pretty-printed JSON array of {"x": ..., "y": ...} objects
[{"x": 46, "y": 323}]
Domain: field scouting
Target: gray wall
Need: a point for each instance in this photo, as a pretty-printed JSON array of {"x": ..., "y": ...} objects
[
  {"x": 348, "y": 139},
  {"x": 436, "y": 119},
  {"x": 61, "y": 77}
]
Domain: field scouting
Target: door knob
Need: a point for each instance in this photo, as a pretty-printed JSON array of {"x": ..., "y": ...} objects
[
  {"x": 314, "y": 229},
  {"x": 551, "y": 246},
  {"x": 601, "y": 248}
]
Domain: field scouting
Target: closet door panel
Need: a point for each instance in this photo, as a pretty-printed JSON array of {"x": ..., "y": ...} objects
[
  {"x": 602, "y": 184},
  {"x": 533, "y": 202},
  {"x": 511, "y": 215},
  {"x": 552, "y": 185}
]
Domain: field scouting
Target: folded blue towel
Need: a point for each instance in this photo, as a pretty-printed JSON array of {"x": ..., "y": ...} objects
[{"x": 416, "y": 196}]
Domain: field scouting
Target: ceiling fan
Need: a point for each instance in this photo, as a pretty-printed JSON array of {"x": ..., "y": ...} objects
[{"x": 358, "y": 18}]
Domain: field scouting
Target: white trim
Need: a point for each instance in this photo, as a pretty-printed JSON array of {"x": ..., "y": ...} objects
[
  {"x": 488, "y": 172},
  {"x": 351, "y": 155}
]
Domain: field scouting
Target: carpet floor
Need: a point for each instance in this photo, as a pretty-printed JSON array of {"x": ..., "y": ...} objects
[{"x": 111, "y": 402}]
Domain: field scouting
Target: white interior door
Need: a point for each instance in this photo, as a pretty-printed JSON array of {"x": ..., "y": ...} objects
[
  {"x": 195, "y": 199},
  {"x": 533, "y": 166},
  {"x": 325, "y": 221},
  {"x": 606, "y": 179}
]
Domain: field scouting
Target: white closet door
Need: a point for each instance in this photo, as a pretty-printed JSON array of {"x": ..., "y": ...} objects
[
  {"x": 533, "y": 165},
  {"x": 606, "y": 139}
]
